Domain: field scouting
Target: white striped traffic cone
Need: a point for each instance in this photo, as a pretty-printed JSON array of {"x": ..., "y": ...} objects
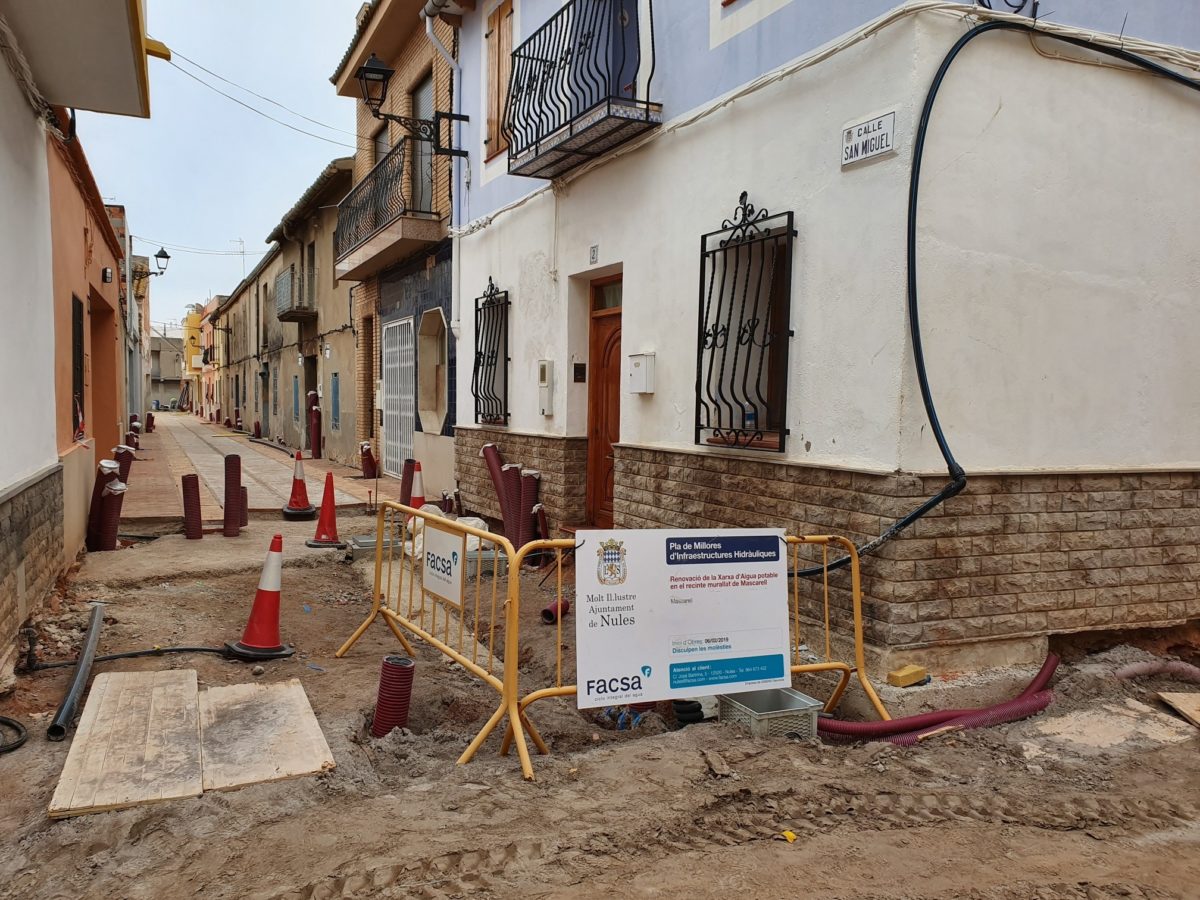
[
  {"x": 298, "y": 508},
  {"x": 261, "y": 640},
  {"x": 418, "y": 487}
]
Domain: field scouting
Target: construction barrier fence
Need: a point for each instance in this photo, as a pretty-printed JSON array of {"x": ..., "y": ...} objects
[{"x": 462, "y": 620}]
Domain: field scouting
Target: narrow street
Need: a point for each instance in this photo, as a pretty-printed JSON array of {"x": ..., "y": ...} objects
[{"x": 183, "y": 444}]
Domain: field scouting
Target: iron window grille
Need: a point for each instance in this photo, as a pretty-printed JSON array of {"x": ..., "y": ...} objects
[
  {"x": 285, "y": 283},
  {"x": 580, "y": 85},
  {"x": 744, "y": 330},
  {"x": 489, "y": 377}
]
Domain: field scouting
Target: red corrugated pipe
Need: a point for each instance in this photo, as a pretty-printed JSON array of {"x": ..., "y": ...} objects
[
  {"x": 395, "y": 692},
  {"x": 879, "y": 730},
  {"x": 369, "y": 469},
  {"x": 193, "y": 526},
  {"x": 530, "y": 482},
  {"x": 232, "y": 525},
  {"x": 1011, "y": 711},
  {"x": 406, "y": 480}
]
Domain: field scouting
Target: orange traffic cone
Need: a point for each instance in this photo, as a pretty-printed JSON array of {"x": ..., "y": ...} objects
[
  {"x": 418, "y": 487},
  {"x": 327, "y": 535},
  {"x": 298, "y": 508},
  {"x": 261, "y": 637}
]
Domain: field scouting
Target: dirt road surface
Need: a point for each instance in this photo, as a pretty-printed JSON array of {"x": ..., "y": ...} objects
[{"x": 1099, "y": 797}]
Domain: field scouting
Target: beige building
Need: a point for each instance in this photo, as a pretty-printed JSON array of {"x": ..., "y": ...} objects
[
  {"x": 291, "y": 340},
  {"x": 392, "y": 241}
]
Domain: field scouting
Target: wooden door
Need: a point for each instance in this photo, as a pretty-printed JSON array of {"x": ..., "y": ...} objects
[{"x": 604, "y": 400}]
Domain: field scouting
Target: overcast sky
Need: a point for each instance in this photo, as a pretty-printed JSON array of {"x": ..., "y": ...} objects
[{"x": 203, "y": 171}]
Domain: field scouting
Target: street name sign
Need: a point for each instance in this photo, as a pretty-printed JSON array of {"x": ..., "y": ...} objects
[{"x": 866, "y": 140}]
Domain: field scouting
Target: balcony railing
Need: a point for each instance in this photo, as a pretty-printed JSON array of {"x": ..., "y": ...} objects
[
  {"x": 374, "y": 203},
  {"x": 293, "y": 302},
  {"x": 580, "y": 86}
]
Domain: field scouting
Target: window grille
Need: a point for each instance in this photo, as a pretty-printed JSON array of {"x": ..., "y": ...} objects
[
  {"x": 489, "y": 378},
  {"x": 275, "y": 391},
  {"x": 744, "y": 330},
  {"x": 77, "y": 378},
  {"x": 296, "y": 398}
]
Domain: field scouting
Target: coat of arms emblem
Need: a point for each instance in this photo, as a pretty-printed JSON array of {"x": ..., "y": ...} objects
[{"x": 610, "y": 568}]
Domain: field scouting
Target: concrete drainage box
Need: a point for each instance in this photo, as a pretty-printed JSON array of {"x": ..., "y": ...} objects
[{"x": 778, "y": 712}]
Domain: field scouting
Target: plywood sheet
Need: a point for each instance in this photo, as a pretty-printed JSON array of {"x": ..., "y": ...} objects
[
  {"x": 137, "y": 742},
  {"x": 251, "y": 733},
  {"x": 1186, "y": 704}
]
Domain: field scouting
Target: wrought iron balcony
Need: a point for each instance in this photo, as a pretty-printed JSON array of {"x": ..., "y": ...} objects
[
  {"x": 580, "y": 86},
  {"x": 293, "y": 302},
  {"x": 376, "y": 224}
]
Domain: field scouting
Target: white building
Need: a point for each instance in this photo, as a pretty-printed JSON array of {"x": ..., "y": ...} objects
[{"x": 654, "y": 384}]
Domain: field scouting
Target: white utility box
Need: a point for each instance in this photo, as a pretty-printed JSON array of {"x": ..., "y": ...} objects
[
  {"x": 639, "y": 376},
  {"x": 546, "y": 386}
]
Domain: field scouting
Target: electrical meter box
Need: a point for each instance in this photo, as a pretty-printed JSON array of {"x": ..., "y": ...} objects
[{"x": 546, "y": 386}]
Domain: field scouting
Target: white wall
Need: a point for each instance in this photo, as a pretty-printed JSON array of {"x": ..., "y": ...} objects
[
  {"x": 1058, "y": 262},
  {"x": 26, "y": 298},
  {"x": 647, "y": 212}
]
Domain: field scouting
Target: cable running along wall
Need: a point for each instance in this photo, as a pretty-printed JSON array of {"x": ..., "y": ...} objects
[{"x": 958, "y": 478}]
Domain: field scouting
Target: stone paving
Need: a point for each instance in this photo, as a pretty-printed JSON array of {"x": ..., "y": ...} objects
[{"x": 182, "y": 444}]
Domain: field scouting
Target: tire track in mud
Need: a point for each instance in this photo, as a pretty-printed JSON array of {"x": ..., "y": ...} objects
[
  {"x": 744, "y": 817},
  {"x": 453, "y": 874}
]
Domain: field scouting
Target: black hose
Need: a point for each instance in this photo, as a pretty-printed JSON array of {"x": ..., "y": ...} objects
[
  {"x": 14, "y": 725},
  {"x": 66, "y": 712},
  {"x": 131, "y": 654},
  {"x": 958, "y": 478}
]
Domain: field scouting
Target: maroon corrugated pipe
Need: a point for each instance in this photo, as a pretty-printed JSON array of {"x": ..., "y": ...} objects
[
  {"x": 395, "y": 692},
  {"x": 1018, "y": 708},
  {"x": 106, "y": 472},
  {"x": 233, "y": 496},
  {"x": 245, "y": 508},
  {"x": 406, "y": 480},
  {"x": 193, "y": 526},
  {"x": 314, "y": 431},
  {"x": 111, "y": 499},
  {"x": 878, "y": 730},
  {"x": 530, "y": 481},
  {"x": 133, "y": 417},
  {"x": 368, "y": 460},
  {"x": 258, "y": 429},
  {"x": 123, "y": 454},
  {"x": 131, "y": 440},
  {"x": 494, "y": 462},
  {"x": 510, "y": 503},
  {"x": 149, "y": 422}
]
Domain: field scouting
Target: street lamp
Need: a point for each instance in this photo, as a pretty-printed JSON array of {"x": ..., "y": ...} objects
[
  {"x": 161, "y": 259},
  {"x": 373, "y": 78}
]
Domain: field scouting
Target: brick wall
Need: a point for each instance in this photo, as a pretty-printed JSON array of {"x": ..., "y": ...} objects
[
  {"x": 31, "y": 557},
  {"x": 366, "y": 360},
  {"x": 562, "y": 462},
  {"x": 1013, "y": 555}
]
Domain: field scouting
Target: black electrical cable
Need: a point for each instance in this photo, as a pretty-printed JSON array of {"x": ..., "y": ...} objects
[
  {"x": 132, "y": 654},
  {"x": 13, "y": 725},
  {"x": 958, "y": 478}
]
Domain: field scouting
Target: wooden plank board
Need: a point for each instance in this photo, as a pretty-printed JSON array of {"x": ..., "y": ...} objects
[
  {"x": 1186, "y": 704},
  {"x": 138, "y": 741},
  {"x": 253, "y": 733}
]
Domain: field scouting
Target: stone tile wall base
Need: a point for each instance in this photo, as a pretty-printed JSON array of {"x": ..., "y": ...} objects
[
  {"x": 31, "y": 558},
  {"x": 1012, "y": 556}
]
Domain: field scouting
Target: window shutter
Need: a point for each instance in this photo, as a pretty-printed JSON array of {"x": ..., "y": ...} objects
[
  {"x": 493, "y": 56},
  {"x": 503, "y": 72}
]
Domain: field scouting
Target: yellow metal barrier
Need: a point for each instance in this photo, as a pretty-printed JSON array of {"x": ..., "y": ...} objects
[
  {"x": 464, "y": 629},
  {"x": 799, "y": 617}
]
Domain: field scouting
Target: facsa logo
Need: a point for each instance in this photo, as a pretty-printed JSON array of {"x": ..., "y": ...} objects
[
  {"x": 442, "y": 565},
  {"x": 620, "y": 685}
]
